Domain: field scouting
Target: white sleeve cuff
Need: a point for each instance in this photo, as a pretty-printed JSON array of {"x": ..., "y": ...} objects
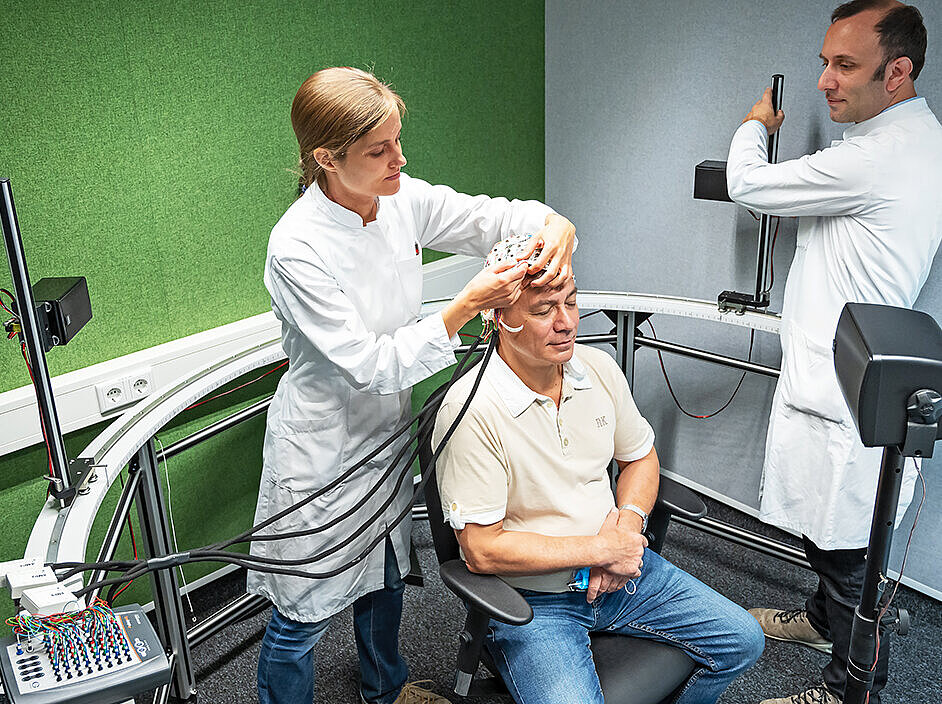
[
  {"x": 434, "y": 327},
  {"x": 458, "y": 519},
  {"x": 642, "y": 450}
]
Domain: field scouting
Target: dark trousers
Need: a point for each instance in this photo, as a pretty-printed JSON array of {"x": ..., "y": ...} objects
[{"x": 831, "y": 612}]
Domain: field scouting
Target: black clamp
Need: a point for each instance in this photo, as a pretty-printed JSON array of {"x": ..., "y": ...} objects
[
  {"x": 739, "y": 303},
  {"x": 923, "y": 410},
  {"x": 895, "y": 621}
]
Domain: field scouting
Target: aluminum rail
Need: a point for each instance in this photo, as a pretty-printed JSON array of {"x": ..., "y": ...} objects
[
  {"x": 241, "y": 608},
  {"x": 174, "y": 449},
  {"x": 723, "y": 360},
  {"x": 62, "y": 535},
  {"x": 658, "y": 305},
  {"x": 746, "y": 538}
]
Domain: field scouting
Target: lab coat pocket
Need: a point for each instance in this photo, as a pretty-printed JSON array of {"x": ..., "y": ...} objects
[
  {"x": 410, "y": 277},
  {"x": 308, "y": 454},
  {"x": 808, "y": 380}
]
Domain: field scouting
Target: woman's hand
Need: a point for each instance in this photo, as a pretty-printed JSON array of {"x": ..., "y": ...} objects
[
  {"x": 558, "y": 238},
  {"x": 496, "y": 287}
]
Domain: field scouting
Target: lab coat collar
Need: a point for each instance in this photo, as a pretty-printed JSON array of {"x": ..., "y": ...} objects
[
  {"x": 899, "y": 111},
  {"x": 335, "y": 210},
  {"x": 517, "y": 396}
]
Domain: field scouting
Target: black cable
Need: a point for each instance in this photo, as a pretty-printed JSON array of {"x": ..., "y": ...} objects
[
  {"x": 359, "y": 504},
  {"x": 250, "y": 562},
  {"x": 75, "y": 568},
  {"x": 114, "y": 565},
  {"x": 246, "y": 535},
  {"x": 139, "y": 570},
  {"x": 247, "y": 559}
]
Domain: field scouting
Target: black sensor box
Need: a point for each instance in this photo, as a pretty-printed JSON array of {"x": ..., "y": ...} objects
[
  {"x": 709, "y": 181},
  {"x": 63, "y": 308},
  {"x": 882, "y": 355}
]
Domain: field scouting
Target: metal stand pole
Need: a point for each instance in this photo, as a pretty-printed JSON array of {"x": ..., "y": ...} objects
[
  {"x": 765, "y": 222},
  {"x": 862, "y": 652},
  {"x": 625, "y": 344},
  {"x": 26, "y": 310},
  {"x": 171, "y": 626}
]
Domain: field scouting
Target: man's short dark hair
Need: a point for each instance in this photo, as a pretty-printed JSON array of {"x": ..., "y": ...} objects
[{"x": 901, "y": 32}]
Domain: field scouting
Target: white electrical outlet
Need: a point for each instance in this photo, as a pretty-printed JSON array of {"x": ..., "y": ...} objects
[
  {"x": 113, "y": 394},
  {"x": 122, "y": 392},
  {"x": 140, "y": 383}
]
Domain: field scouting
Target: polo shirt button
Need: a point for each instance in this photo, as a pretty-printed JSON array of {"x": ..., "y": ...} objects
[{"x": 565, "y": 442}]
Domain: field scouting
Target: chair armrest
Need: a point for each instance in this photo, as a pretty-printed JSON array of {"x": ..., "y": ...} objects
[
  {"x": 487, "y": 593},
  {"x": 678, "y": 500}
]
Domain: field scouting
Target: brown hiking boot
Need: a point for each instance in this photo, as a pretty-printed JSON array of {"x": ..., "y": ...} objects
[
  {"x": 791, "y": 625},
  {"x": 413, "y": 694},
  {"x": 815, "y": 695}
]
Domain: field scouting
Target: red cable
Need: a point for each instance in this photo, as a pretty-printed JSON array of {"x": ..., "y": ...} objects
[
  {"x": 3, "y": 305},
  {"x": 889, "y": 601},
  {"x": 670, "y": 388},
  {"x": 241, "y": 386},
  {"x": 45, "y": 439},
  {"x": 778, "y": 221},
  {"x": 133, "y": 545}
]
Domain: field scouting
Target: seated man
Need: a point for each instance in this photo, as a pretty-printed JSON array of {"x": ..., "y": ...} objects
[{"x": 524, "y": 483}]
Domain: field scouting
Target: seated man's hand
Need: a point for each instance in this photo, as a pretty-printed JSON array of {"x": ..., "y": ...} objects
[
  {"x": 622, "y": 549},
  {"x": 602, "y": 581}
]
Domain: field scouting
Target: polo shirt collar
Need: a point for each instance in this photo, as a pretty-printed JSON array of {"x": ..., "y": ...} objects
[
  {"x": 334, "y": 210},
  {"x": 518, "y": 397}
]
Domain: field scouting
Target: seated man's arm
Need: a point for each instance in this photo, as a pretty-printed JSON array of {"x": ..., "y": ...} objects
[
  {"x": 472, "y": 479},
  {"x": 490, "y": 549},
  {"x": 637, "y": 485}
]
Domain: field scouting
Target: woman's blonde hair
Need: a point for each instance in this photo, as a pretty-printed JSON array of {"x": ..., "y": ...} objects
[{"x": 333, "y": 109}]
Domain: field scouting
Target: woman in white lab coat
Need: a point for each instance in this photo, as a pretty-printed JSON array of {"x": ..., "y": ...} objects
[{"x": 344, "y": 270}]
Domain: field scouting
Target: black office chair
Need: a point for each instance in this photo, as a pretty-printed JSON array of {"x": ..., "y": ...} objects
[{"x": 630, "y": 670}]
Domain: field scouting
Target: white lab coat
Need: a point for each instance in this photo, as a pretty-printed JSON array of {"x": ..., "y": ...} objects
[
  {"x": 349, "y": 298},
  {"x": 870, "y": 222}
]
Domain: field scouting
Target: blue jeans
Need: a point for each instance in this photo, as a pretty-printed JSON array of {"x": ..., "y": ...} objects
[
  {"x": 286, "y": 662},
  {"x": 548, "y": 660}
]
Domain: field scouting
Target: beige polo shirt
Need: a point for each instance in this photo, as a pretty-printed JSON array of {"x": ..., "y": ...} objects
[{"x": 516, "y": 457}]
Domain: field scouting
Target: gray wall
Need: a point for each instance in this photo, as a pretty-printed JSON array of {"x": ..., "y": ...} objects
[{"x": 638, "y": 93}]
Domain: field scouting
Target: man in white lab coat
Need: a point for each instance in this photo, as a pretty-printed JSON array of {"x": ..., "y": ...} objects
[{"x": 870, "y": 223}]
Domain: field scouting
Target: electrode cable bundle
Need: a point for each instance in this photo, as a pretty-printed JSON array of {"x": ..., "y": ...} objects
[{"x": 216, "y": 552}]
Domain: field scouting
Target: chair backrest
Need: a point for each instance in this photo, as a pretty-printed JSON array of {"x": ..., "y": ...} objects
[{"x": 443, "y": 537}]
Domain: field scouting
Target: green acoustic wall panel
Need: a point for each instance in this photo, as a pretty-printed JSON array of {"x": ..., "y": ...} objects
[{"x": 150, "y": 149}]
